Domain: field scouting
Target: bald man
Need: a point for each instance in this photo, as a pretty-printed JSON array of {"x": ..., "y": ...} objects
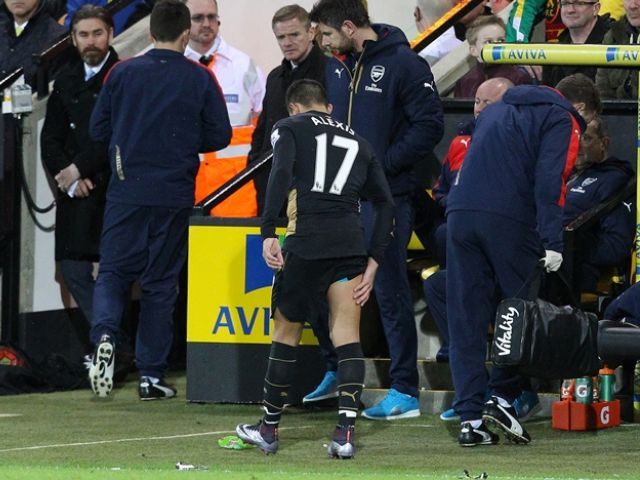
[{"x": 489, "y": 92}]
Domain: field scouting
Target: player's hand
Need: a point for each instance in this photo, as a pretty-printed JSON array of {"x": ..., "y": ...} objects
[
  {"x": 552, "y": 260},
  {"x": 83, "y": 189},
  {"x": 67, "y": 176},
  {"x": 272, "y": 253},
  {"x": 363, "y": 289}
]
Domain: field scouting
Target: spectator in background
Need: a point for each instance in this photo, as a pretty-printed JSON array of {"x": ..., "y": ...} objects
[
  {"x": 242, "y": 84},
  {"x": 525, "y": 14},
  {"x": 583, "y": 25},
  {"x": 79, "y": 165},
  {"x": 428, "y": 12},
  {"x": 387, "y": 94},
  {"x": 25, "y": 29},
  {"x": 486, "y": 29},
  {"x": 621, "y": 83},
  {"x": 154, "y": 137}
]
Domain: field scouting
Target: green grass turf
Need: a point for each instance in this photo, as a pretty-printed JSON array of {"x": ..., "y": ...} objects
[{"x": 145, "y": 440}]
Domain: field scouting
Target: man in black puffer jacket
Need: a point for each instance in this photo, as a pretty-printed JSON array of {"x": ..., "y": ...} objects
[{"x": 25, "y": 28}]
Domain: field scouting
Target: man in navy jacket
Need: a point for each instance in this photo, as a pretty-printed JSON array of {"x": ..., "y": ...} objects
[
  {"x": 504, "y": 215},
  {"x": 596, "y": 179},
  {"x": 156, "y": 112},
  {"x": 387, "y": 94}
]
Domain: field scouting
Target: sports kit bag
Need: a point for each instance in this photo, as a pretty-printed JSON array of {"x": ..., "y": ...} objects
[{"x": 544, "y": 340}]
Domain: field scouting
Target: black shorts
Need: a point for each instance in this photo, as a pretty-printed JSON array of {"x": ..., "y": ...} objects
[{"x": 301, "y": 286}]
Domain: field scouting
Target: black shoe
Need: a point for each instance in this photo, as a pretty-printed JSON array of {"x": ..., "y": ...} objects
[
  {"x": 342, "y": 443},
  {"x": 102, "y": 366},
  {"x": 263, "y": 436},
  {"x": 506, "y": 420},
  {"x": 470, "y": 437},
  {"x": 147, "y": 390}
]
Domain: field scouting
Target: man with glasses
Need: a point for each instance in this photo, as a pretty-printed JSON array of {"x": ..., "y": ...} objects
[
  {"x": 584, "y": 25},
  {"x": 618, "y": 82},
  {"x": 525, "y": 14},
  {"x": 243, "y": 86}
]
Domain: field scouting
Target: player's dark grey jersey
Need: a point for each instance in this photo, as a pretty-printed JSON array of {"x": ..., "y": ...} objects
[{"x": 322, "y": 168}]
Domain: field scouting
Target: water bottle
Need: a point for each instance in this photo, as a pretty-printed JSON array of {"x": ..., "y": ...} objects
[
  {"x": 584, "y": 390},
  {"x": 607, "y": 384}
]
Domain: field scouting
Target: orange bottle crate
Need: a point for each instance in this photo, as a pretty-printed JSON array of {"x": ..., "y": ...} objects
[{"x": 570, "y": 415}]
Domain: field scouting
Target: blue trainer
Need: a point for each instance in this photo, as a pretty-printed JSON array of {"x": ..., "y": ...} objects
[
  {"x": 450, "y": 416},
  {"x": 328, "y": 388},
  {"x": 527, "y": 405},
  {"x": 395, "y": 405}
]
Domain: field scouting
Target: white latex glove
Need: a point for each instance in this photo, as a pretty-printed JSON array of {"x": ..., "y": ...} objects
[{"x": 552, "y": 260}]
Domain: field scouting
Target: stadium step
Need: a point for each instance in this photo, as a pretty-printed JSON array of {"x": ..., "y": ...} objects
[
  {"x": 436, "y": 388},
  {"x": 433, "y": 375}
]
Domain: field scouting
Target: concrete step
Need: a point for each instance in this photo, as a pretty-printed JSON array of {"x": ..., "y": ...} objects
[
  {"x": 432, "y": 376},
  {"x": 437, "y": 401}
]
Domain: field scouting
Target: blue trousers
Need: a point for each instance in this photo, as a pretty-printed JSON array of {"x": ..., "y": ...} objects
[
  {"x": 394, "y": 297},
  {"x": 485, "y": 253},
  {"x": 435, "y": 293},
  {"x": 78, "y": 277},
  {"x": 148, "y": 244}
]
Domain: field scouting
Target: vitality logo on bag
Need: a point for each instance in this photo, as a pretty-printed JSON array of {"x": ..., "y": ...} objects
[{"x": 505, "y": 329}]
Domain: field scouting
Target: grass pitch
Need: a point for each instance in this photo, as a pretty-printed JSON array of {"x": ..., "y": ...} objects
[{"x": 73, "y": 435}]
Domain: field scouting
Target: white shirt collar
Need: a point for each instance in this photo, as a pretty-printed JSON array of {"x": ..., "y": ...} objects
[
  {"x": 17, "y": 25},
  {"x": 97, "y": 68},
  {"x": 219, "y": 47}
]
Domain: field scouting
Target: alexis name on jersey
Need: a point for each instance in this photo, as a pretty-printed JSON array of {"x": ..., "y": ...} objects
[{"x": 332, "y": 123}]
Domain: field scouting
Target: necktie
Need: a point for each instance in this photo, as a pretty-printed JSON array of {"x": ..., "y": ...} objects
[
  {"x": 208, "y": 60},
  {"x": 89, "y": 75},
  {"x": 19, "y": 31}
]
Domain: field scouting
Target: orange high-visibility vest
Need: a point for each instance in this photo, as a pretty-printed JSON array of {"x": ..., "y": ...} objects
[{"x": 216, "y": 168}]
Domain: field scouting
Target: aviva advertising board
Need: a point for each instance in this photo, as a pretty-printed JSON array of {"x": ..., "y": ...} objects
[
  {"x": 562, "y": 54},
  {"x": 229, "y": 298}
]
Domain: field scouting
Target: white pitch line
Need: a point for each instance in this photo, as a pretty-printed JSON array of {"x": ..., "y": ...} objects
[
  {"x": 8, "y": 415},
  {"x": 123, "y": 440}
]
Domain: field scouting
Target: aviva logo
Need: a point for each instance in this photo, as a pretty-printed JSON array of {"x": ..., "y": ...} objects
[
  {"x": 256, "y": 272},
  {"x": 621, "y": 54},
  {"x": 613, "y": 54},
  {"x": 501, "y": 52},
  {"x": 229, "y": 295},
  {"x": 497, "y": 52}
]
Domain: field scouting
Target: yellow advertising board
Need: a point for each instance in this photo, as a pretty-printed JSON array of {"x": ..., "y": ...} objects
[{"x": 229, "y": 298}]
